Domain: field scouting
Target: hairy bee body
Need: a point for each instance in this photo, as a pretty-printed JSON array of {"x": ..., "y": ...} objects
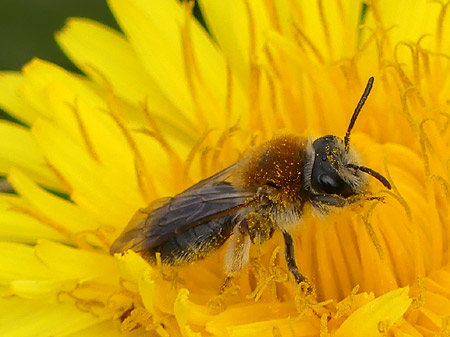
[{"x": 247, "y": 202}]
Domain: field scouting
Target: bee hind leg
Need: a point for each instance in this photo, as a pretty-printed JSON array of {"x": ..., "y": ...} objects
[{"x": 238, "y": 250}]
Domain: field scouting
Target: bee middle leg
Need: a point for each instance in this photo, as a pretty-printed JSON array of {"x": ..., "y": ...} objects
[{"x": 290, "y": 259}]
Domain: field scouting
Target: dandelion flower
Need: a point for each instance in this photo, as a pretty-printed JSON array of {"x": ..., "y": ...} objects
[{"x": 167, "y": 104}]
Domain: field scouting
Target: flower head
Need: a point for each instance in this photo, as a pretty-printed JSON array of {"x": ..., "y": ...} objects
[{"x": 167, "y": 104}]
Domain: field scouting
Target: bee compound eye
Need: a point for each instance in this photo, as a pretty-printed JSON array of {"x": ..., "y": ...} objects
[{"x": 334, "y": 185}]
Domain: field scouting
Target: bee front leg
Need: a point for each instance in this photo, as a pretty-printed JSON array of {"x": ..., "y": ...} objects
[{"x": 290, "y": 258}]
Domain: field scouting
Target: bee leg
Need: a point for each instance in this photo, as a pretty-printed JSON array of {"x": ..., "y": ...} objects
[
  {"x": 227, "y": 284},
  {"x": 238, "y": 250},
  {"x": 290, "y": 258}
]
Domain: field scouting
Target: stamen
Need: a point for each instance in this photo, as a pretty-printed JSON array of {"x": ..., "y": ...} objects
[
  {"x": 204, "y": 162},
  {"x": 440, "y": 26},
  {"x": 99, "y": 235},
  {"x": 175, "y": 160},
  {"x": 416, "y": 128},
  {"x": 64, "y": 183},
  {"x": 276, "y": 112},
  {"x": 226, "y": 135},
  {"x": 276, "y": 332},
  {"x": 371, "y": 232},
  {"x": 383, "y": 327},
  {"x": 414, "y": 57},
  {"x": 83, "y": 131},
  {"x": 137, "y": 317},
  {"x": 266, "y": 278},
  {"x": 324, "y": 325},
  {"x": 345, "y": 307},
  {"x": 254, "y": 92},
  {"x": 326, "y": 30},
  {"x": 419, "y": 301},
  {"x": 273, "y": 14},
  {"x": 190, "y": 65},
  {"x": 195, "y": 149},
  {"x": 145, "y": 183},
  {"x": 445, "y": 330},
  {"x": 229, "y": 96},
  {"x": 53, "y": 225},
  {"x": 251, "y": 32},
  {"x": 255, "y": 72},
  {"x": 308, "y": 43},
  {"x": 83, "y": 304},
  {"x": 273, "y": 65}
]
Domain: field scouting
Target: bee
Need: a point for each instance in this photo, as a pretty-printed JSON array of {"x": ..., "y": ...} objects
[{"x": 247, "y": 202}]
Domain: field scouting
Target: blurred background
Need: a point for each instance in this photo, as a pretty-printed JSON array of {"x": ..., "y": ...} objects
[{"x": 27, "y": 28}]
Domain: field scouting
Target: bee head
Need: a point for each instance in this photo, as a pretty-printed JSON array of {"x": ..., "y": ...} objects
[
  {"x": 333, "y": 169},
  {"x": 334, "y": 173}
]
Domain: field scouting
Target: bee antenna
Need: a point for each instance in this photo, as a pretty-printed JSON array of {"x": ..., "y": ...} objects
[
  {"x": 373, "y": 173},
  {"x": 356, "y": 113}
]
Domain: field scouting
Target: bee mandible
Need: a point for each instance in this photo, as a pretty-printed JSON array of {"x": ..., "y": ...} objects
[{"x": 247, "y": 202}]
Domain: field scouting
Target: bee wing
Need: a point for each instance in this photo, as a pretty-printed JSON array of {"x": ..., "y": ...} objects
[{"x": 209, "y": 199}]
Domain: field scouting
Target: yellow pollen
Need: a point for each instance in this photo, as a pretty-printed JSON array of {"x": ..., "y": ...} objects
[
  {"x": 324, "y": 326},
  {"x": 345, "y": 306},
  {"x": 419, "y": 301},
  {"x": 445, "y": 330},
  {"x": 137, "y": 317}
]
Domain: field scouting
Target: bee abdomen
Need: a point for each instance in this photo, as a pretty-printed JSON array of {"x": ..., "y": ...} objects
[{"x": 197, "y": 242}]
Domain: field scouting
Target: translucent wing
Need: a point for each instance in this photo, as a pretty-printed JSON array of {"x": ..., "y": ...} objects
[{"x": 210, "y": 198}]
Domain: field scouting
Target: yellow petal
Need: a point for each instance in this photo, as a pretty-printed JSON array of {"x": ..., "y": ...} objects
[
  {"x": 131, "y": 266},
  {"x": 18, "y": 149},
  {"x": 21, "y": 318},
  {"x": 365, "y": 321},
  {"x": 107, "y": 328},
  {"x": 11, "y": 100},
  {"x": 65, "y": 215},
  {"x": 17, "y": 226},
  {"x": 71, "y": 263},
  {"x": 232, "y": 35},
  {"x": 114, "y": 59},
  {"x": 95, "y": 190},
  {"x": 181, "y": 310},
  {"x": 18, "y": 261},
  {"x": 155, "y": 29}
]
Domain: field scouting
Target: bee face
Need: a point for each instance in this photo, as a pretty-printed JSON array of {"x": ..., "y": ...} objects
[{"x": 331, "y": 173}]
